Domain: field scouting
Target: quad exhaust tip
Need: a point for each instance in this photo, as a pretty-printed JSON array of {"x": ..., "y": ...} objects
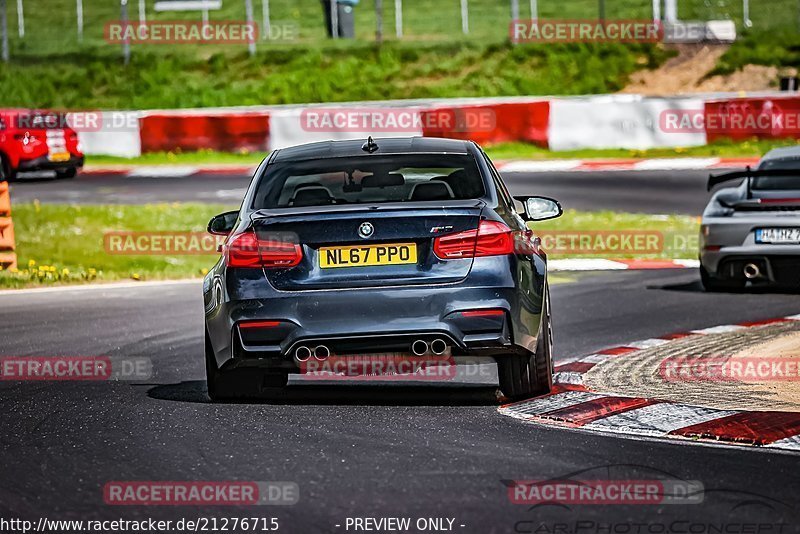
[
  {"x": 438, "y": 347},
  {"x": 419, "y": 347},
  {"x": 321, "y": 352},
  {"x": 302, "y": 354},
  {"x": 751, "y": 271}
]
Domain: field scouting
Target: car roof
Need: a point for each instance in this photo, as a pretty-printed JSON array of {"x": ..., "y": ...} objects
[
  {"x": 352, "y": 147},
  {"x": 787, "y": 152}
]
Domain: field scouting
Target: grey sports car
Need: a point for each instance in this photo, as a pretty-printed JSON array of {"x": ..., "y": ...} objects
[{"x": 750, "y": 233}]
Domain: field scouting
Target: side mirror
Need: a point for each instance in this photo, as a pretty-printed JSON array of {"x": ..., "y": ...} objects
[
  {"x": 223, "y": 223},
  {"x": 540, "y": 208}
]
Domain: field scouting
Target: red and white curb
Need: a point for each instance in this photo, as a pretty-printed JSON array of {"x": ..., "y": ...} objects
[
  {"x": 658, "y": 164},
  {"x": 604, "y": 264},
  {"x": 553, "y": 165},
  {"x": 167, "y": 171},
  {"x": 572, "y": 405}
]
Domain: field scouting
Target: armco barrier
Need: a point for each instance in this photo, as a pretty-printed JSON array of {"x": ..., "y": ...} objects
[
  {"x": 490, "y": 123},
  {"x": 225, "y": 132},
  {"x": 8, "y": 258},
  {"x": 746, "y": 118}
]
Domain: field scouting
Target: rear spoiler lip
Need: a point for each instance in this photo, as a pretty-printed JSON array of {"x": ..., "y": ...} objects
[
  {"x": 366, "y": 208},
  {"x": 716, "y": 179}
]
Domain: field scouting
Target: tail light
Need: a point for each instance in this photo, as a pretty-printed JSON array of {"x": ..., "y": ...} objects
[
  {"x": 247, "y": 250},
  {"x": 491, "y": 238}
]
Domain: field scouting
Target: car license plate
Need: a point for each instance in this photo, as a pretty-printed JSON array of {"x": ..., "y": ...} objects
[
  {"x": 367, "y": 255},
  {"x": 778, "y": 236},
  {"x": 58, "y": 156}
]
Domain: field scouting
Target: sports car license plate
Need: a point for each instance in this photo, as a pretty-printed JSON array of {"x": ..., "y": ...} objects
[
  {"x": 367, "y": 255},
  {"x": 778, "y": 236},
  {"x": 58, "y": 156}
]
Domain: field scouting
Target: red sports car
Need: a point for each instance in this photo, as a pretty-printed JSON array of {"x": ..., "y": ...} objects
[{"x": 37, "y": 140}]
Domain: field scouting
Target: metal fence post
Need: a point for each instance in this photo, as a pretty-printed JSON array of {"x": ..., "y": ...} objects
[
  {"x": 398, "y": 18},
  {"x": 248, "y": 10},
  {"x": 379, "y": 21},
  {"x": 4, "y": 29},
  {"x": 534, "y": 10},
  {"x": 514, "y": 10},
  {"x": 79, "y": 13},
  {"x": 142, "y": 14},
  {"x": 746, "y": 14},
  {"x": 335, "y": 19},
  {"x": 265, "y": 22},
  {"x": 20, "y": 19},
  {"x": 465, "y": 16},
  {"x": 656, "y": 10},
  {"x": 126, "y": 45}
]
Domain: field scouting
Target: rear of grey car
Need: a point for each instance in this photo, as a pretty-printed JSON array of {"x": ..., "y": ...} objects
[
  {"x": 750, "y": 234},
  {"x": 410, "y": 247}
]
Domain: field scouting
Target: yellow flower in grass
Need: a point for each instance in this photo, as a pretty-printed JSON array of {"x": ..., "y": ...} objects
[
  {"x": 135, "y": 276},
  {"x": 31, "y": 263}
]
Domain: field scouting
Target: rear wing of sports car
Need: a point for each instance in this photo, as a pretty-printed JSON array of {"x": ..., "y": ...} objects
[{"x": 748, "y": 174}]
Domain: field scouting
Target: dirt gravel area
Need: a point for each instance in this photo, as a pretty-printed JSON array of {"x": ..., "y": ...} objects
[
  {"x": 651, "y": 373},
  {"x": 687, "y": 73}
]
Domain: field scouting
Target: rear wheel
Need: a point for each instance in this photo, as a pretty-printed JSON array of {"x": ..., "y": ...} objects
[
  {"x": 713, "y": 284},
  {"x": 528, "y": 375},
  {"x": 242, "y": 382}
]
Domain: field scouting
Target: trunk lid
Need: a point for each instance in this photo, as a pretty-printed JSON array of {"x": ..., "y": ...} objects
[{"x": 342, "y": 244}]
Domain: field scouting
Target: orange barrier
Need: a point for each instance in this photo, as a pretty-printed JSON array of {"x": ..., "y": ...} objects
[
  {"x": 230, "y": 132},
  {"x": 490, "y": 123},
  {"x": 8, "y": 258}
]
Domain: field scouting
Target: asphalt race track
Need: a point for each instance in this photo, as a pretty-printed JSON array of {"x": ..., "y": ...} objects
[
  {"x": 360, "y": 450},
  {"x": 657, "y": 192},
  {"x": 355, "y": 451}
]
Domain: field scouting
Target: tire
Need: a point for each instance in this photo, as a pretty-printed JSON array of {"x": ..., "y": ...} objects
[
  {"x": 7, "y": 174},
  {"x": 529, "y": 375},
  {"x": 71, "y": 172},
  {"x": 715, "y": 285},
  {"x": 240, "y": 383}
]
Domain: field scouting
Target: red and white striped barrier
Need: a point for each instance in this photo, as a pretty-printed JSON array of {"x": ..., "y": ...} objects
[{"x": 598, "y": 122}]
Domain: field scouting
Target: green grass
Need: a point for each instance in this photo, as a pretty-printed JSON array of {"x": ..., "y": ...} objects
[
  {"x": 777, "y": 49},
  {"x": 675, "y": 236},
  {"x": 55, "y": 237},
  {"x": 504, "y": 151},
  {"x": 52, "y": 238},
  {"x": 51, "y": 68},
  {"x": 326, "y": 73}
]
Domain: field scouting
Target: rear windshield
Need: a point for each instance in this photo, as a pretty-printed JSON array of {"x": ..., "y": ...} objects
[
  {"x": 369, "y": 180},
  {"x": 778, "y": 183}
]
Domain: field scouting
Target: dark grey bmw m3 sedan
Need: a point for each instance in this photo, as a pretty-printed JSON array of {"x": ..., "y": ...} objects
[{"x": 406, "y": 246}]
